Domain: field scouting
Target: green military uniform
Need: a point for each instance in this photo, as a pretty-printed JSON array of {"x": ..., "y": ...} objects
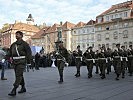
[
  {"x": 62, "y": 58},
  {"x": 78, "y": 60},
  {"x": 117, "y": 54},
  {"x": 109, "y": 60},
  {"x": 89, "y": 59},
  {"x": 130, "y": 60},
  {"x": 21, "y": 54}
]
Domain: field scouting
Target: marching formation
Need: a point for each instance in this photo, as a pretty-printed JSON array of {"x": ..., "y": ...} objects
[{"x": 120, "y": 58}]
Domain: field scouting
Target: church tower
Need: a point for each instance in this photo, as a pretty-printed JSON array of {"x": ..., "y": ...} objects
[{"x": 30, "y": 20}]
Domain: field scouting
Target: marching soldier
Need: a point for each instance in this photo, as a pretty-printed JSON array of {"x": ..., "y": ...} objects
[
  {"x": 96, "y": 61},
  {"x": 62, "y": 58},
  {"x": 130, "y": 60},
  {"x": 89, "y": 59},
  {"x": 124, "y": 60},
  {"x": 117, "y": 54},
  {"x": 21, "y": 54},
  {"x": 78, "y": 60},
  {"x": 109, "y": 60},
  {"x": 102, "y": 61}
]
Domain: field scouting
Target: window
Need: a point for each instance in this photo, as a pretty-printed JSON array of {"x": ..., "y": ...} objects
[
  {"x": 115, "y": 35},
  {"x": 78, "y": 31},
  {"x": 125, "y": 25},
  {"x": 125, "y": 34},
  {"x": 74, "y": 32},
  {"x": 111, "y": 16},
  {"x": 83, "y": 30},
  {"x": 125, "y": 14},
  {"x": 107, "y": 18},
  {"x": 107, "y": 45},
  {"x": 116, "y": 15},
  {"x": 99, "y": 37},
  {"x": 107, "y": 36}
]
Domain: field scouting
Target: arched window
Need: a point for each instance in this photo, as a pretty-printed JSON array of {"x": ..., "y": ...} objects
[
  {"x": 125, "y": 34},
  {"x": 115, "y": 35}
]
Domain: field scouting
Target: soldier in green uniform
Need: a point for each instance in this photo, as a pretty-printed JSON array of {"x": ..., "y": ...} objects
[
  {"x": 62, "y": 58},
  {"x": 109, "y": 60},
  {"x": 89, "y": 59},
  {"x": 78, "y": 60},
  {"x": 130, "y": 60},
  {"x": 21, "y": 54},
  {"x": 116, "y": 55}
]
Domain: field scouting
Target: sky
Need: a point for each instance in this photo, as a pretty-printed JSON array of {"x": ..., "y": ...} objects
[{"x": 53, "y": 11}]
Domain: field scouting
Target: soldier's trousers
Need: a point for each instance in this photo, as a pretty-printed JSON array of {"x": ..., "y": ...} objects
[
  {"x": 130, "y": 65},
  {"x": 89, "y": 67},
  {"x": 78, "y": 65},
  {"x": 109, "y": 66},
  {"x": 19, "y": 69},
  {"x": 123, "y": 66},
  {"x": 118, "y": 66},
  {"x": 60, "y": 65},
  {"x": 102, "y": 66}
]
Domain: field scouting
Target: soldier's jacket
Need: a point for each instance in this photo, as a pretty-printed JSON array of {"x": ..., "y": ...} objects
[
  {"x": 130, "y": 53},
  {"x": 124, "y": 54},
  {"x": 89, "y": 55},
  {"x": 116, "y": 54},
  {"x": 78, "y": 55},
  {"x": 23, "y": 50},
  {"x": 109, "y": 55},
  {"x": 63, "y": 53},
  {"x": 102, "y": 54}
]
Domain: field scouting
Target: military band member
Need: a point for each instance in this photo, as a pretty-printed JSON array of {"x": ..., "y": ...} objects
[
  {"x": 102, "y": 61},
  {"x": 78, "y": 60},
  {"x": 109, "y": 60},
  {"x": 124, "y": 60},
  {"x": 21, "y": 54},
  {"x": 117, "y": 54},
  {"x": 96, "y": 61},
  {"x": 130, "y": 60},
  {"x": 62, "y": 58},
  {"x": 89, "y": 59}
]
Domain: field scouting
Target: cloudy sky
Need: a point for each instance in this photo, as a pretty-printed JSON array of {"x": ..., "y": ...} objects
[{"x": 53, "y": 11}]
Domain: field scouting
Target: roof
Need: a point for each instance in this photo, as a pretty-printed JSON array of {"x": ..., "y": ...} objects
[
  {"x": 68, "y": 25},
  {"x": 40, "y": 33},
  {"x": 80, "y": 24},
  {"x": 91, "y": 22},
  {"x": 127, "y": 4},
  {"x": 53, "y": 28},
  {"x": 25, "y": 27}
]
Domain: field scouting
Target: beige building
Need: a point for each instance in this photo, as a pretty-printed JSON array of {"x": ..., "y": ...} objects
[
  {"x": 8, "y": 35},
  {"x": 115, "y": 25},
  {"x": 83, "y": 35}
]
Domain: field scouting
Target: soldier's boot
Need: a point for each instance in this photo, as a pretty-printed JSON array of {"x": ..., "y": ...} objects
[
  {"x": 103, "y": 76},
  {"x": 130, "y": 74},
  {"x": 22, "y": 90},
  {"x": 89, "y": 75},
  {"x": 117, "y": 78},
  {"x": 77, "y": 74},
  {"x": 13, "y": 92},
  {"x": 123, "y": 75},
  {"x": 61, "y": 79}
]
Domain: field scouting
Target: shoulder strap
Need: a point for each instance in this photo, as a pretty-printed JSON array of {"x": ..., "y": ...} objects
[{"x": 17, "y": 50}]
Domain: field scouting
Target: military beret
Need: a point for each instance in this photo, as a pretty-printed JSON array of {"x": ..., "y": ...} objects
[{"x": 78, "y": 46}]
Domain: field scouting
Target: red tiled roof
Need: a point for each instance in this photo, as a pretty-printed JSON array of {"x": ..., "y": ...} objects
[
  {"x": 40, "y": 33},
  {"x": 53, "y": 28},
  {"x": 91, "y": 22},
  {"x": 68, "y": 25},
  {"x": 127, "y": 4},
  {"x": 80, "y": 24}
]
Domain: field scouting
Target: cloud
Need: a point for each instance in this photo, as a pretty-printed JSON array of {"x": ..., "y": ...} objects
[{"x": 53, "y": 11}]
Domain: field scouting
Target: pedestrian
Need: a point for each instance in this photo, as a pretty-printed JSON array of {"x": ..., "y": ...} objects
[
  {"x": 78, "y": 60},
  {"x": 20, "y": 52},
  {"x": 3, "y": 63},
  {"x": 62, "y": 59}
]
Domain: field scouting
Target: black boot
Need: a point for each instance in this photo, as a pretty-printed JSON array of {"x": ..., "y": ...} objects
[
  {"x": 22, "y": 90},
  {"x": 61, "y": 80},
  {"x": 78, "y": 74},
  {"x": 13, "y": 92},
  {"x": 103, "y": 76},
  {"x": 117, "y": 78}
]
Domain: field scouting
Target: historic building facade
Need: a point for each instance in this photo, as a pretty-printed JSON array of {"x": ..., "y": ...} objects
[
  {"x": 115, "y": 25},
  {"x": 83, "y": 35}
]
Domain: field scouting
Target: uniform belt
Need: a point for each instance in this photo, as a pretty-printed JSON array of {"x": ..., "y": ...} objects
[
  {"x": 20, "y": 57},
  {"x": 116, "y": 56},
  {"x": 89, "y": 59},
  {"x": 59, "y": 59},
  {"x": 78, "y": 57},
  {"x": 102, "y": 58}
]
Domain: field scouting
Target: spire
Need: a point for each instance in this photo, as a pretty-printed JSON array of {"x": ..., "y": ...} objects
[{"x": 30, "y": 20}]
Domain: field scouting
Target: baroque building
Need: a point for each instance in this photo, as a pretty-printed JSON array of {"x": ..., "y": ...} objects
[{"x": 115, "y": 25}]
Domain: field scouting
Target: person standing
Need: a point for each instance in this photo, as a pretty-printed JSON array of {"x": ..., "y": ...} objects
[
  {"x": 89, "y": 59},
  {"x": 21, "y": 54},
  {"x": 130, "y": 60},
  {"x": 78, "y": 60},
  {"x": 2, "y": 63},
  {"x": 62, "y": 58}
]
